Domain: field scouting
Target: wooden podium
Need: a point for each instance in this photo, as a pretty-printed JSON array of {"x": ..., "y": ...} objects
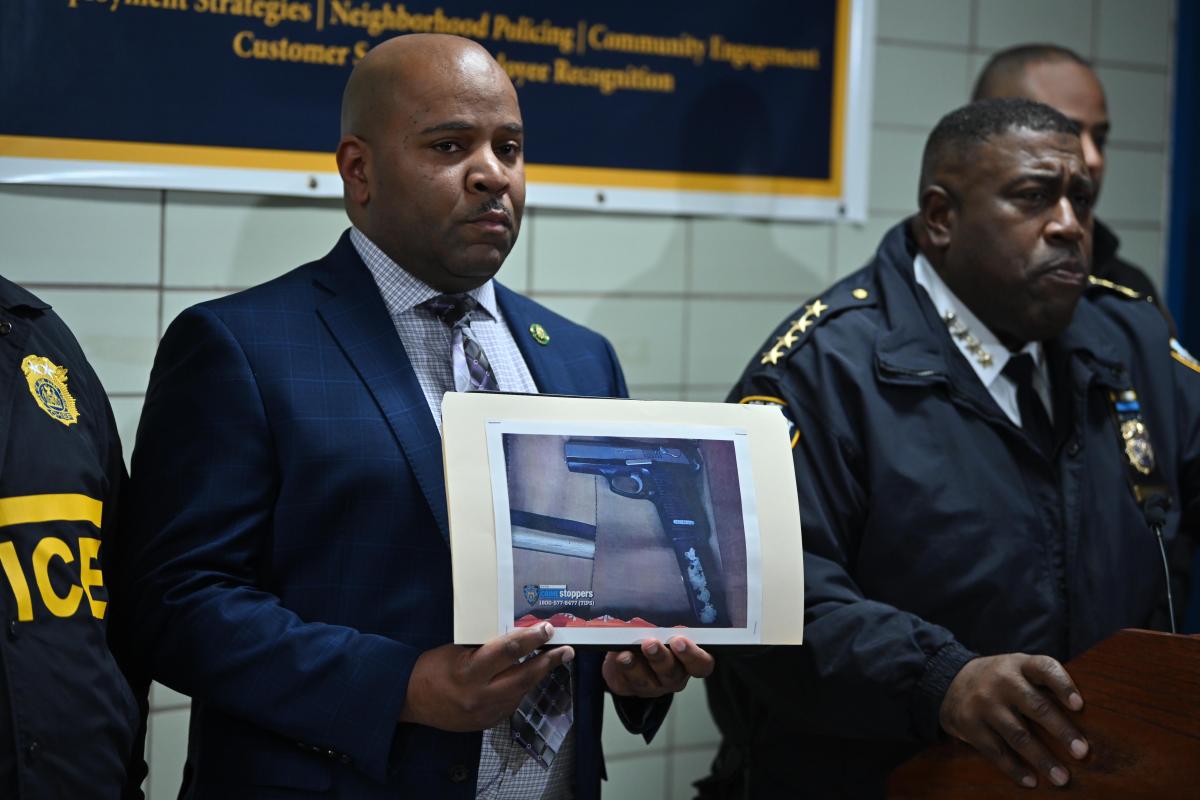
[{"x": 1141, "y": 717}]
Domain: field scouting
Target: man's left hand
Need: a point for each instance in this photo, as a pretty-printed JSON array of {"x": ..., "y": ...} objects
[{"x": 655, "y": 668}]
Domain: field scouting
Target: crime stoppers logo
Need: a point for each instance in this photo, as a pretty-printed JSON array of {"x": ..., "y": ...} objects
[{"x": 558, "y": 595}]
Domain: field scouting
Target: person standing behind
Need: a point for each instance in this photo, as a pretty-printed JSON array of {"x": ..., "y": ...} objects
[
  {"x": 70, "y": 726},
  {"x": 1065, "y": 81},
  {"x": 292, "y": 571}
]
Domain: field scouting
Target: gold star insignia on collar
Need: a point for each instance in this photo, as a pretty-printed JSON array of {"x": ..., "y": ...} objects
[
  {"x": 789, "y": 337},
  {"x": 772, "y": 356}
]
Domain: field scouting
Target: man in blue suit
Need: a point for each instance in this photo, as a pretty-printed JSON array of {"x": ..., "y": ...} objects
[{"x": 292, "y": 572}]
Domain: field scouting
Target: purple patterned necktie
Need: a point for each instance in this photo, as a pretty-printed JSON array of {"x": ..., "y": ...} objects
[
  {"x": 546, "y": 714},
  {"x": 472, "y": 372}
]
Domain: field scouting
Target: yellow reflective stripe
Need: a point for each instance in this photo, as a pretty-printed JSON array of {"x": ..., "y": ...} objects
[
  {"x": 1189, "y": 364},
  {"x": 50, "y": 508}
]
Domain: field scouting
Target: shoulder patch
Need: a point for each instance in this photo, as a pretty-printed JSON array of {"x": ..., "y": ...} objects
[
  {"x": 815, "y": 313},
  {"x": 1180, "y": 354},
  {"x": 1115, "y": 288},
  {"x": 768, "y": 400},
  {"x": 48, "y": 385}
]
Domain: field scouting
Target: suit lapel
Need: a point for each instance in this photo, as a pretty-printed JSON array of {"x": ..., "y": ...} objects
[
  {"x": 545, "y": 362},
  {"x": 357, "y": 318}
]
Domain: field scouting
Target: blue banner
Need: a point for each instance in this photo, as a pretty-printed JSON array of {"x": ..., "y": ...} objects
[{"x": 710, "y": 97}]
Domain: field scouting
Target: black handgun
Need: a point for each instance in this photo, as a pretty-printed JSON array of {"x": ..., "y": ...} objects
[{"x": 670, "y": 478}]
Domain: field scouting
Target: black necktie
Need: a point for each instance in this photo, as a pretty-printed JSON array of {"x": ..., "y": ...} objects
[{"x": 1034, "y": 419}]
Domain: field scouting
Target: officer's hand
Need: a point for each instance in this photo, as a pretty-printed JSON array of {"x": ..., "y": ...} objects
[
  {"x": 656, "y": 669},
  {"x": 994, "y": 703},
  {"x": 472, "y": 688}
]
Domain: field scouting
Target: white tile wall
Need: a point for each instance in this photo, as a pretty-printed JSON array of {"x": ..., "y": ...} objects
[
  {"x": 126, "y": 411},
  {"x": 647, "y": 332},
  {"x": 691, "y": 723},
  {"x": 1133, "y": 186},
  {"x": 1003, "y": 23},
  {"x": 573, "y": 252},
  {"x": 937, "y": 22},
  {"x": 636, "y": 778},
  {"x": 916, "y": 86},
  {"x": 895, "y": 167},
  {"x": 724, "y": 334},
  {"x": 164, "y": 697},
  {"x": 1142, "y": 100},
  {"x": 79, "y": 235},
  {"x": 686, "y": 301},
  {"x": 241, "y": 240},
  {"x": 618, "y": 743},
  {"x": 746, "y": 257},
  {"x": 856, "y": 243},
  {"x": 166, "y": 746},
  {"x": 1143, "y": 247},
  {"x": 1136, "y": 31},
  {"x": 176, "y": 300},
  {"x": 117, "y": 328}
]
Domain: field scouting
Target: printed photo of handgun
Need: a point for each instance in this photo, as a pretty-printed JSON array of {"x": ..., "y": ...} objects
[{"x": 672, "y": 478}]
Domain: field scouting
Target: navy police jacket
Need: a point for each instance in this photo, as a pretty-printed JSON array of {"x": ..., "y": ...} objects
[
  {"x": 934, "y": 530},
  {"x": 68, "y": 720}
]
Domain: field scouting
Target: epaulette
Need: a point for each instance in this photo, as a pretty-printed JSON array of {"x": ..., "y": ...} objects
[
  {"x": 1116, "y": 288},
  {"x": 1180, "y": 354},
  {"x": 816, "y": 313}
]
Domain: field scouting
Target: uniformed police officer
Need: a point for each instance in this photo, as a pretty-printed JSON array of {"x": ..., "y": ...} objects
[
  {"x": 68, "y": 719},
  {"x": 976, "y": 423}
]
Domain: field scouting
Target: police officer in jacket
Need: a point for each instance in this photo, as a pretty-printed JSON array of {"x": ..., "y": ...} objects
[
  {"x": 68, "y": 719},
  {"x": 976, "y": 422}
]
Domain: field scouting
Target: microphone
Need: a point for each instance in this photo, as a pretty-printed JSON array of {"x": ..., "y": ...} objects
[{"x": 1154, "y": 510}]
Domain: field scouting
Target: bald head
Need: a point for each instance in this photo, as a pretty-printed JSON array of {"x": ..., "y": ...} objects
[{"x": 394, "y": 72}]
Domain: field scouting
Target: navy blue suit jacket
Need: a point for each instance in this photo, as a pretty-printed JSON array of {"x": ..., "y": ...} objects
[{"x": 291, "y": 553}]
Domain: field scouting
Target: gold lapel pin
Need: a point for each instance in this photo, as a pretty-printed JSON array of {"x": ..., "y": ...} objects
[{"x": 539, "y": 334}]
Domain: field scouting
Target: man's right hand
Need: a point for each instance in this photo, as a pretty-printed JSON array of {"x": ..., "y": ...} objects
[
  {"x": 473, "y": 688},
  {"x": 994, "y": 701}
]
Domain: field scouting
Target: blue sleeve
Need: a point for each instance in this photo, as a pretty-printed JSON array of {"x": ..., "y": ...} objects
[
  {"x": 205, "y": 480},
  {"x": 866, "y": 670}
]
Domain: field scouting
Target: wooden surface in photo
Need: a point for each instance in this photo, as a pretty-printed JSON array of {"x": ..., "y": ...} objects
[
  {"x": 729, "y": 534},
  {"x": 539, "y": 482}
]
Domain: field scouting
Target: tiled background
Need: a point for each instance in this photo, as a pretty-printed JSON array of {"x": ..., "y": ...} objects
[{"x": 685, "y": 300}]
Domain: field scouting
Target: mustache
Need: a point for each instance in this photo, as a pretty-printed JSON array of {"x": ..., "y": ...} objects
[
  {"x": 1070, "y": 260},
  {"x": 493, "y": 206}
]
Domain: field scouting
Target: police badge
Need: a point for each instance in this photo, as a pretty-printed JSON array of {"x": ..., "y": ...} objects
[
  {"x": 1134, "y": 440},
  {"x": 48, "y": 385},
  {"x": 1137, "y": 446},
  {"x": 531, "y": 593}
]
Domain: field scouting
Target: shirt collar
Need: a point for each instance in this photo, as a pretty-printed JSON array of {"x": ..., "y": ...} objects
[
  {"x": 402, "y": 291},
  {"x": 945, "y": 301}
]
